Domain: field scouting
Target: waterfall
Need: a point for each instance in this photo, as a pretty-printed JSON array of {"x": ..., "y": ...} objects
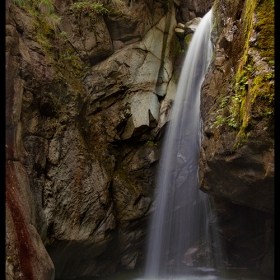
[{"x": 179, "y": 224}]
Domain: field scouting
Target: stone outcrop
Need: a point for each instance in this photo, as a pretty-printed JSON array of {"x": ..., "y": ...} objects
[
  {"x": 87, "y": 102},
  {"x": 89, "y": 91},
  {"x": 237, "y": 153}
]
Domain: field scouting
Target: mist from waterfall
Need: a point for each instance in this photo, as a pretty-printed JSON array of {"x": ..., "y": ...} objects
[{"x": 180, "y": 220}]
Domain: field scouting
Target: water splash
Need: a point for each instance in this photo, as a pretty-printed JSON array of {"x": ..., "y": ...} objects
[{"x": 179, "y": 225}]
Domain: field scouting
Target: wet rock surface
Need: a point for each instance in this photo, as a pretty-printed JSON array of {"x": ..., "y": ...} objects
[
  {"x": 87, "y": 103},
  {"x": 237, "y": 150}
]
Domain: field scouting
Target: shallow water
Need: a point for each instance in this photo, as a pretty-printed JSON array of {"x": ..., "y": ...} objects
[{"x": 199, "y": 273}]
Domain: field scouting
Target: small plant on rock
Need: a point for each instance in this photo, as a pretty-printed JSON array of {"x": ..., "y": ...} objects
[{"x": 90, "y": 8}]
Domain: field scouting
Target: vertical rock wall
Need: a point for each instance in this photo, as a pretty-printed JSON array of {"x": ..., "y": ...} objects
[
  {"x": 88, "y": 88},
  {"x": 88, "y": 94},
  {"x": 237, "y": 106}
]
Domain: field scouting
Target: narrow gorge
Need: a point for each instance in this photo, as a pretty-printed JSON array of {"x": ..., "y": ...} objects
[{"x": 89, "y": 92}]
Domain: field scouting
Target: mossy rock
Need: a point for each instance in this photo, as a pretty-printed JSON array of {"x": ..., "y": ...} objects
[{"x": 187, "y": 41}]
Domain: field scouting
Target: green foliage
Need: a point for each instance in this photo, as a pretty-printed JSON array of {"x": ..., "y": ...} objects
[
  {"x": 58, "y": 52},
  {"x": 249, "y": 68},
  {"x": 150, "y": 143},
  {"x": 47, "y": 31},
  {"x": 269, "y": 76},
  {"x": 119, "y": 8},
  {"x": 20, "y": 3},
  {"x": 241, "y": 83},
  {"x": 63, "y": 36},
  {"x": 46, "y": 7},
  {"x": 69, "y": 56},
  {"x": 251, "y": 89},
  {"x": 224, "y": 102},
  {"x": 228, "y": 112},
  {"x": 90, "y": 8},
  {"x": 45, "y": 22},
  {"x": 261, "y": 87},
  {"x": 266, "y": 29},
  {"x": 267, "y": 112},
  {"x": 187, "y": 41},
  {"x": 53, "y": 41},
  {"x": 36, "y": 7},
  {"x": 220, "y": 120},
  {"x": 234, "y": 110},
  {"x": 44, "y": 41}
]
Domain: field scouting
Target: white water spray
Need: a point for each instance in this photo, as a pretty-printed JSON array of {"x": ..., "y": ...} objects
[{"x": 180, "y": 220}]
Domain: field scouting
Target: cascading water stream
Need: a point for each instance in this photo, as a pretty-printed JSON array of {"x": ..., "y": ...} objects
[{"x": 180, "y": 218}]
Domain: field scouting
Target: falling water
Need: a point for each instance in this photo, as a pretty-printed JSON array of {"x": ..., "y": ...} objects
[{"x": 180, "y": 218}]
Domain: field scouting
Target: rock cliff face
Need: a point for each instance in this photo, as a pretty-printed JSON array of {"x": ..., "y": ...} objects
[
  {"x": 237, "y": 151},
  {"x": 89, "y": 88}
]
